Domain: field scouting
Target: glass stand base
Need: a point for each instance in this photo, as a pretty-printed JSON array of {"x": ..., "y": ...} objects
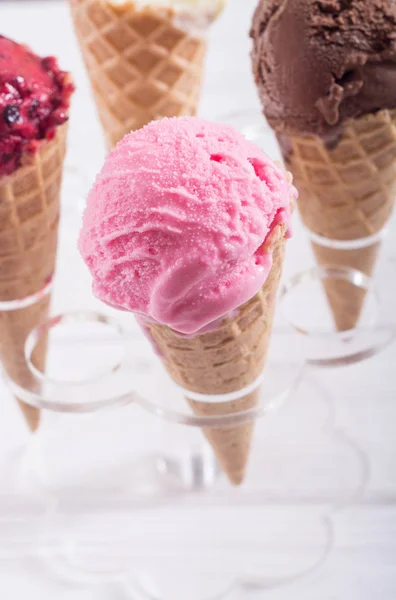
[
  {"x": 103, "y": 378},
  {"x": 152, "y": 475},
  {"x": 109, "y": 519},
  {"x": 109, "y": 490},
  {"x": 125, "y": 468},
  {"x": 148, "y": 456}
]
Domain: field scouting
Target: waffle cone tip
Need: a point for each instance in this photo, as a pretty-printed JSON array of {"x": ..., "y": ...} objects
[{"x": 31, "y": 414}]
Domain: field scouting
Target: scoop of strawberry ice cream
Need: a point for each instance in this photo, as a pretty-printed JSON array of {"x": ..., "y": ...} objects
[
  {"x": 176, "y": 222},
  {"x": 34, "y": 98}
]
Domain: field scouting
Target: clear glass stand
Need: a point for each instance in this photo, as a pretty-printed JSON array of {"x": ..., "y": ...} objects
[
  {"x": 306, "y": 308},
  {"x": 118, "y": 455},
  {"x": 118, "y": 490},
  {"x": 96, "y": 365},
  {"x": 90, "y": 523}
]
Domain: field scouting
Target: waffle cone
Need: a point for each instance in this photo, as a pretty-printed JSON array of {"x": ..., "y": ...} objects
[
  {"x": 29, "y": 217},
  {"x": 346, "y": 193},
  {"x": 226, "y": 360},
  {"x": 141, "y": 64}
]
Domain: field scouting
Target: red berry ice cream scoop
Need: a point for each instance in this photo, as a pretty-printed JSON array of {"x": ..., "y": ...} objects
[{"x": 34, "y": 98}]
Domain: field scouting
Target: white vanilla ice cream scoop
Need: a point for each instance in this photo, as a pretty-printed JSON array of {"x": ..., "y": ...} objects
[{"x": 210, "y": 9}]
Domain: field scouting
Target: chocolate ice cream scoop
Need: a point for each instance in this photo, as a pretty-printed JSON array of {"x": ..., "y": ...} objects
[
  {"x": 319, "y": 62},
  {"x": 326, "y": 75}
]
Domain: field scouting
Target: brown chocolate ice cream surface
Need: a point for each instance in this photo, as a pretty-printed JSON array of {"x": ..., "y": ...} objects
[{"x": 317, "y": 63}]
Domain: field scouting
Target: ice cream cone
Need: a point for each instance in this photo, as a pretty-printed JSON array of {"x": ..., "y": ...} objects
[
  {"x": 142, "y": 63},
  {"x": 29, "y": 217},
  {"x": 188, "y": 234},
  {"x": 346, "y": 193},
  {"x": 227, "y": 360}
]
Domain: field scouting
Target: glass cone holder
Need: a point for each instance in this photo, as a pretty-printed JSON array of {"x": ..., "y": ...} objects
[
  {"x": 305, "y": 307},
  {"x": 95, "y": 364},
  {"x": 130, "y": 516},
  {"x": 118, "y": 454}
]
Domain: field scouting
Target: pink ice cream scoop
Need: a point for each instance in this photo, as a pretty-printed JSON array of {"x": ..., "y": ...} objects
[{"x": 176, "y": 221}]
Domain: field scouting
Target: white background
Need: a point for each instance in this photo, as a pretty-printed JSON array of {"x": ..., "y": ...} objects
[{"x": 304, "y": 476}]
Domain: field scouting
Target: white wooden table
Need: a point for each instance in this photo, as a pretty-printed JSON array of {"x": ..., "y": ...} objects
[{"x": 318, "y": 516}]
